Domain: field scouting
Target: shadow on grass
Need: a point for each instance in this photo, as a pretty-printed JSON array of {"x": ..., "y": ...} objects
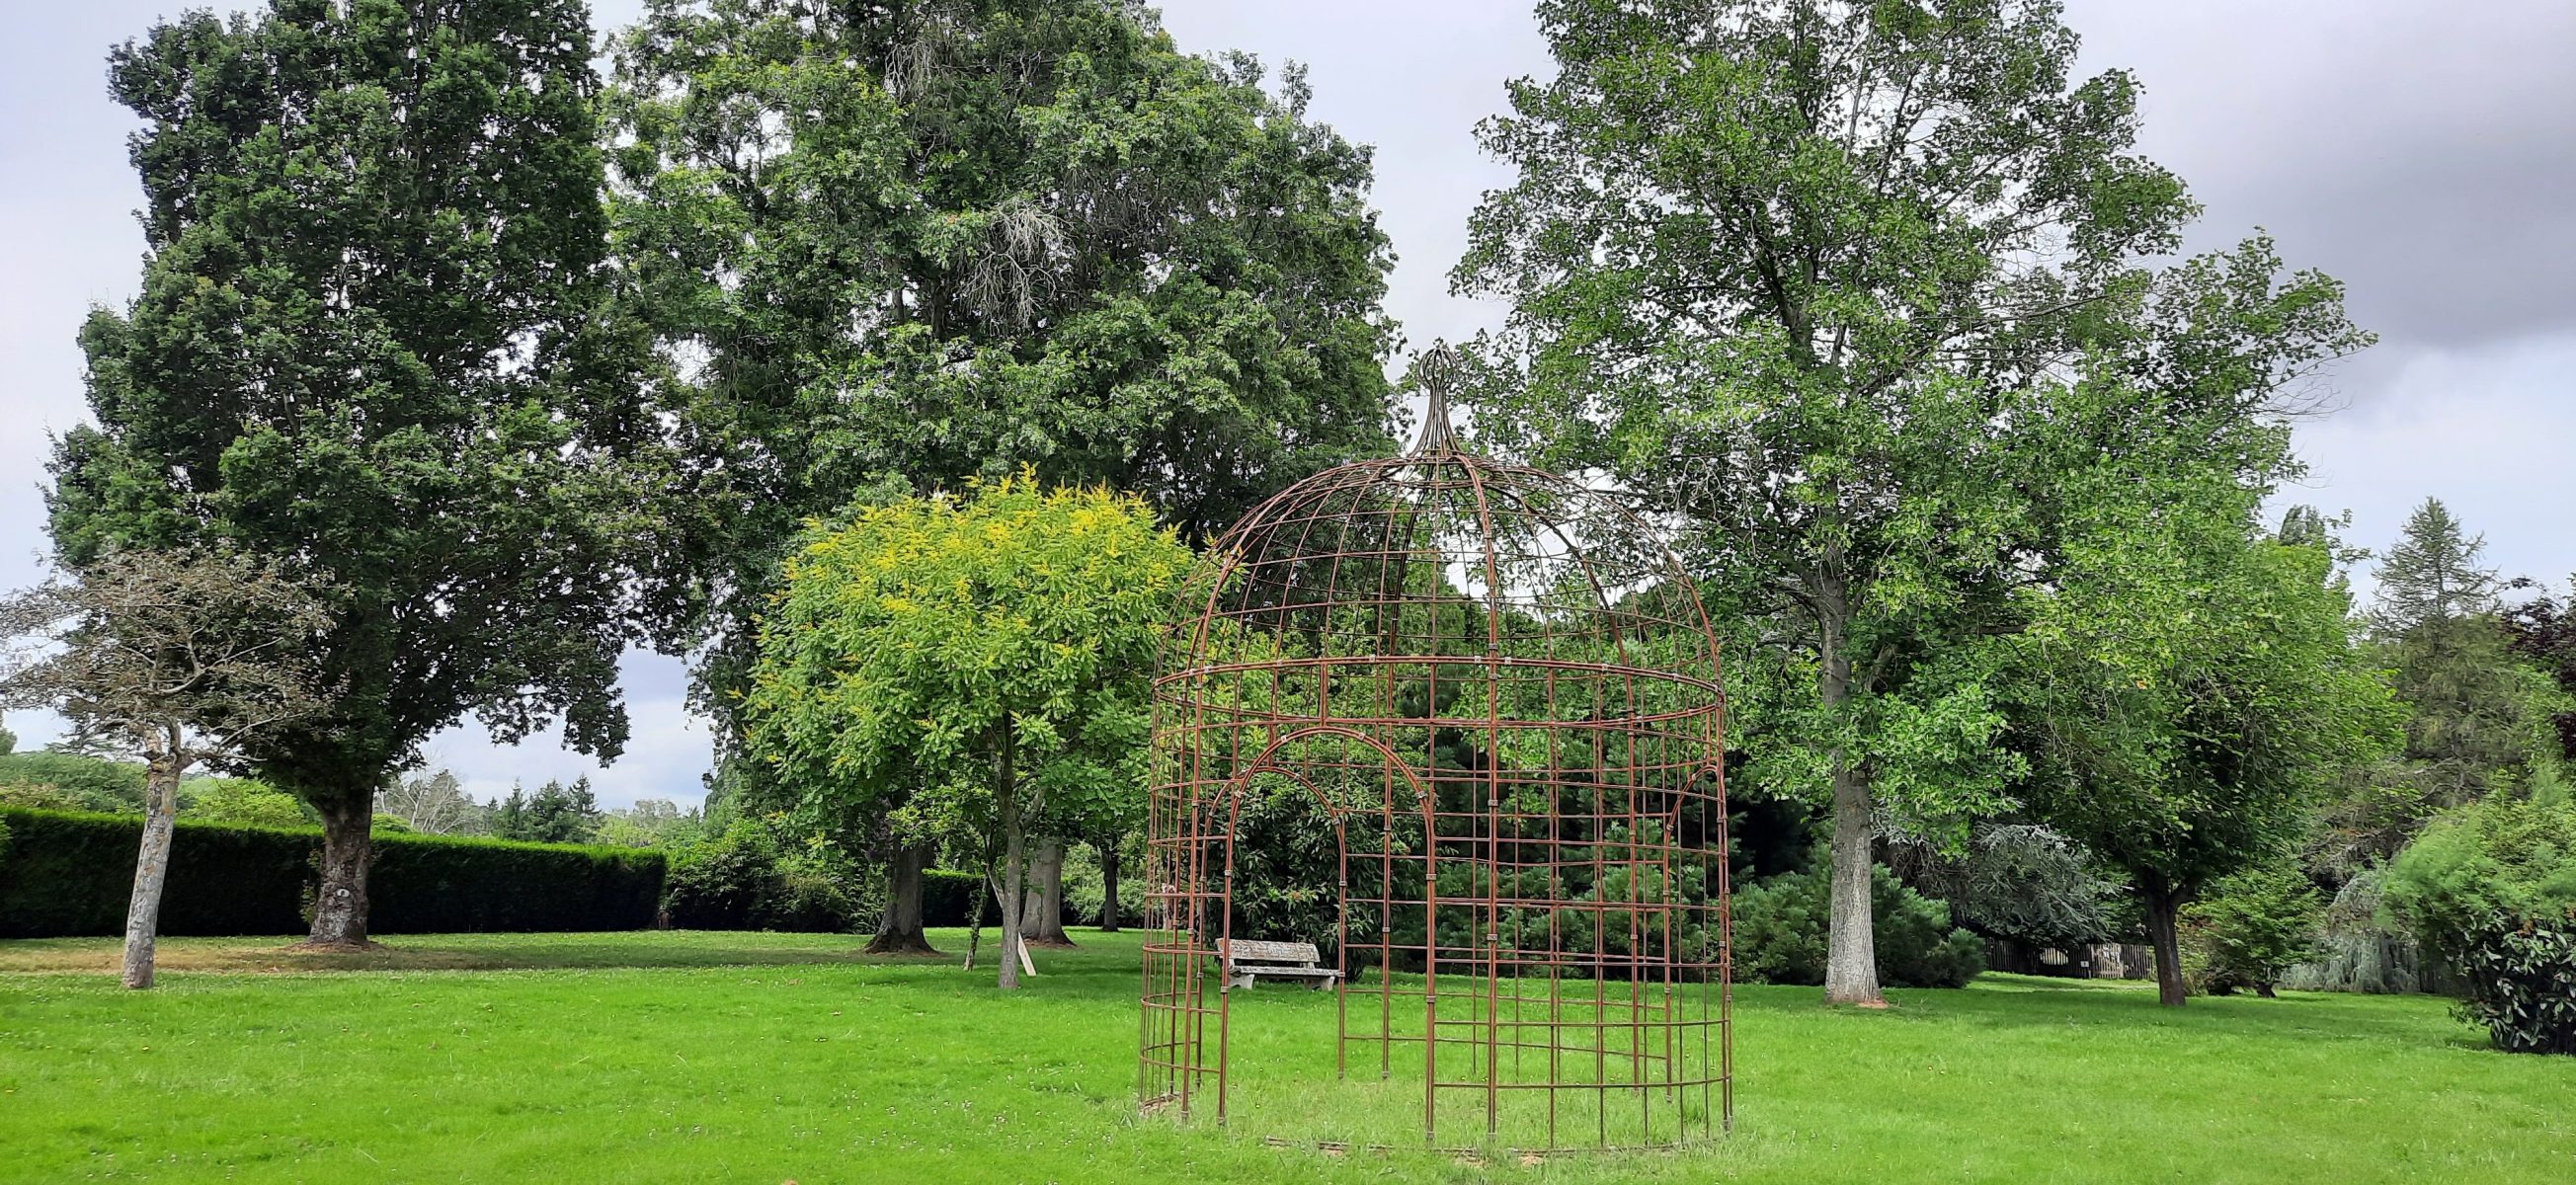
[
  {"x": 1101, "y": 954},
  {"x": 2001, "y": 1000}
]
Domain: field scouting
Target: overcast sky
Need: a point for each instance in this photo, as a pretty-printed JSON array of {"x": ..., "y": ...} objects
[{"x": 2424, "y": 154}]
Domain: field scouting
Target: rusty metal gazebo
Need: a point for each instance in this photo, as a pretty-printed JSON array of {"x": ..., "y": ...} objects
[{"x": 1503, "y": 691}]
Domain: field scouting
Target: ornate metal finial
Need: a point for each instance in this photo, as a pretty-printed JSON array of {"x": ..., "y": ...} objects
[{"x": 1435, "y": 369}]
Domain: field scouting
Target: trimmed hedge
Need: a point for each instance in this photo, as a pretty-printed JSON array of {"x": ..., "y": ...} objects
[
  {"x": 67, "y": 874},
  {"x": 946, "y": 895}
]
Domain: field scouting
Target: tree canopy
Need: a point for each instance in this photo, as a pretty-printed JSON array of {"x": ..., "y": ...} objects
[
  {"x": 1853, "y": 292},
  {"x": 372, "y": 339},
  {"x": 991, "y": 653},
  {"x": 929, "y": 242}
]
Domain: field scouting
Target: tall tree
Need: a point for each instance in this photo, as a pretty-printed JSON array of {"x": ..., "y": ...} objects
[
  {"x": 936, "y": 240},
  {"x": 2190, "y": 694},
  {"x": 998, "y": 648},
  {"x": 371, "y": 336},
  {"x": 176, "y": 658},
  {"x": 2432, "y": 574},
  {"x": 1788, "y": 271},
  {"x": 2479, "y": 720}
]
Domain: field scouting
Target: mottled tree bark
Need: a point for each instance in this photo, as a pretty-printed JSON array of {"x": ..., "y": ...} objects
[
  {"x": 900, "y": 933},
  {"x": 340, "y": 901},
  {"x": 1851, "y": 956},
  {"x": 1042, "y": 911},
  {"x": 1851, "y": 950},
  {"x": 151, "y": 865}
]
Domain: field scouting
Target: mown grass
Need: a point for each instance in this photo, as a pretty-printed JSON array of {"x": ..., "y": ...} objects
[{"x": 763, "y": 1058}]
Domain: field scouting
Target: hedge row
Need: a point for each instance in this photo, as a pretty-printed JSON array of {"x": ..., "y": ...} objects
[
  {"x": 67, "y": 875},
  {"x": 947, "y": 894}
]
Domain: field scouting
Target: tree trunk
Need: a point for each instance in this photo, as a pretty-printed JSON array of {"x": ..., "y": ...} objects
[
  {"x": 900, "y": 933},
  {"x": 1042, "y": 911},
  {"x": 340, "y": 902},
  {"x": 975, "y": 916},
  {"x": 2163, "y": 908},
  {"x": 1851, "y": 957},
  {"x": 1109, "y": 886},
  {"x": 1006, "y": 793},
  {"x": 1851, "y": 954},
  {"x": 151, "y": 866}
]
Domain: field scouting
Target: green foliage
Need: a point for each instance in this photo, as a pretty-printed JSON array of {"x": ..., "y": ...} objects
[
  {"x": 2508, "y": 859},
  {"x": 2014, "y": 881},
  {"x": 70, "y": 781},
  {"x": 2492, "y": 890},
  {"x": 1780, "y": 932},
  {"x": 2478, "y": 722},
  {"x": 2191, "y": 691},
  {"x": 947, "y": 894},
  {"x": 2251, "y": 928},
  {"x": 556, "y": 813},
  {"x": 2522, "y": 982},
  {"x": 2431, "y": 575},
  {"x": 652, "y": 823},
  {"x": 754, "y": 877},
  {"x": 975, "y": 237},
  {"x": 1843, "y": 255},
  {"x": 980, "y": 659},
  {"x": 69, "y": 874},
  {"x": 8, "y": 741},
  {"x": 242, "y": 800},
  {"x": 357, "y": 190}
]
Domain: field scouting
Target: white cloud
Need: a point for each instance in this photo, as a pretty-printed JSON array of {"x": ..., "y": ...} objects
[
  {"x": 666, "y": 756},
  {"x": 2491, "y": 432}
]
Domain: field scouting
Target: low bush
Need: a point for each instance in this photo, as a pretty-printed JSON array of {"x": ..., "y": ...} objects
[
  {"x": 70, "y": 781},
  {"x": 747, "y": 879},
  {"x": 245, "y": 800},
  {"x": 1780, "y": 928},
  {"x": 2522, "y": 982},
  {"x": 2250, "y": 929},
  {"x": 2491, "y": 889},
  {"x": 69, "y": 875}
]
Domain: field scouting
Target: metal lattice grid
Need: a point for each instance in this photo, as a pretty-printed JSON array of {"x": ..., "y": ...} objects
[{"x": 1503, "y": 692}]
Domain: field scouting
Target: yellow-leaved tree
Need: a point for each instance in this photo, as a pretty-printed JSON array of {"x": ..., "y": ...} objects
[{"x": 982, "y": 659}]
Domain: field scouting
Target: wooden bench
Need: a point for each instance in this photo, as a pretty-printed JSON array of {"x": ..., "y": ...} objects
[{"x": 1247, "y": 960}]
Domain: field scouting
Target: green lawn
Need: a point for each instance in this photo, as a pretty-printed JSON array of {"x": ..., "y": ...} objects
[{"x": 767, "y": 1057}]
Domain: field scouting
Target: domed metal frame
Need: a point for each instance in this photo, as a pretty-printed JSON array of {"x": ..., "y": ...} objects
[{"x": 1503, "y": 690}]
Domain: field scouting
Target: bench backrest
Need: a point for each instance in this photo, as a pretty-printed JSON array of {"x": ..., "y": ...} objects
[{"x": 1245, "y": 950}]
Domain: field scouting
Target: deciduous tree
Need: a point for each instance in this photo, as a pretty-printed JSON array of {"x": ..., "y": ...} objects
[
  {"x": 179, "y": 659},
  {"x": 373, "y": 336},
  {"x": 937, "y": 240},
  {"x": 996, "y": 647},
  {"x": 2190, "y": 694},
  {"x": 1789, "y": 271}
]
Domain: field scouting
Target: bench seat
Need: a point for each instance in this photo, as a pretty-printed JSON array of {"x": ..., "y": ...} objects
[{"x": 1247, "y": 960}]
